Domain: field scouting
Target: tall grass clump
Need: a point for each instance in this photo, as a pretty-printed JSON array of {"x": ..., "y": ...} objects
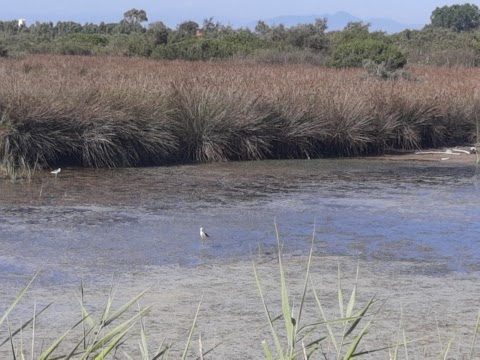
[
  {"x": 111, "y": 112},
  {"x": 343, "y": 335},
  {"x": 100, "y": 336},
  {"x": 96, "y": 335},
  {"x": 214, "y": 125},
  {"x": 301, "y": 328}
]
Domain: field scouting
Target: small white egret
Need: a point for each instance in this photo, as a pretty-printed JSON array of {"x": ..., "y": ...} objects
[
  {"x": 56, "y": 172},
  {"x": 203, "y": 234}
]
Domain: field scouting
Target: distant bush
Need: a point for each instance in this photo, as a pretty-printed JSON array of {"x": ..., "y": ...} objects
[
  {"x": 439, "y": 46},
  {"x": 129, "y": 45},
  {"x": 386, "y": 70},
  {"x": 353, "y": 53},
  {"x": 204, "y": 48},
  {"x": 3, "y": 51},
  {"x": 138, "y": 46},
  {"x": 283, "y": 57},
  {"x": 80, "y": 44}
]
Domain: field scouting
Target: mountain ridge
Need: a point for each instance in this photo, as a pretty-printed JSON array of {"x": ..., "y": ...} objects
[{"x": 339, "y": 20}]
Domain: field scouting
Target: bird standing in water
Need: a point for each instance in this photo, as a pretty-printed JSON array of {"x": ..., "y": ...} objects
[
  {"x": 203, "y": 234},
  {"x": 56, "y": 172}
]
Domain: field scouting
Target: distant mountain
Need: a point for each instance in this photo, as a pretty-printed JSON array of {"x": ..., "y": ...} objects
[{"x": 339, "y": 20}]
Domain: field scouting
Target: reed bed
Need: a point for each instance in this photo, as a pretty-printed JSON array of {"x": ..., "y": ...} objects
[{"x": 114, "y": 112}]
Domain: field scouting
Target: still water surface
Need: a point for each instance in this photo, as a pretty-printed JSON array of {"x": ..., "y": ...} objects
[{"x": 104, "y": 222}]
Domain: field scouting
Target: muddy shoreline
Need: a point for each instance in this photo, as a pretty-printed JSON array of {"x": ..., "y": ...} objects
[{"x": 434, "y": 304}]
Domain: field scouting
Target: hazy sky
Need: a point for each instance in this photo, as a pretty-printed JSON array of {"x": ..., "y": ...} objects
[{"x": 174, "y": 11}]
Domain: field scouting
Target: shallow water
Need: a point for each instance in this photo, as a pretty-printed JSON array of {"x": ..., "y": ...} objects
[{"x": 103, "y": 222}]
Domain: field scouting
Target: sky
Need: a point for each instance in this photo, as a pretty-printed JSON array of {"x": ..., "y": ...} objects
[{"x": 176, "y": 11}]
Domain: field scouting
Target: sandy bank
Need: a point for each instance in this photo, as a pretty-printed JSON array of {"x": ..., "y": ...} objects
[{"x": 438, "y": 308}]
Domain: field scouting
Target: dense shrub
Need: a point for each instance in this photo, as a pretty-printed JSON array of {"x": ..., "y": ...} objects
[
  {"x": 3, "y": 51},
  {"x": 354, "y": 52},
  {"x": 434, "y": 44},
  {"x": 283, "y": 56},
  {"x": 439, "y": 46},
  {"x": 80, "y": 44},
  {"x": 386, "y": 70},
  {"x": 128, "y": 45},
  {"x": 203, "y": 48}
]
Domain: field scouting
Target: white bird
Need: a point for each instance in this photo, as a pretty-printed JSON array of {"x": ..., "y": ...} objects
[
  {"x": 203, "y": 234},
  {"x": 56, "y": 172}
]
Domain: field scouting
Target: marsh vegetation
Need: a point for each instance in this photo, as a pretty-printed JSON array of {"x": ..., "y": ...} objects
[{"x": 113, "y": 112}]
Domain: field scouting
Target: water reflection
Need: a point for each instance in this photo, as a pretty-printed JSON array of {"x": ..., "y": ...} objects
[{"x": 120, "y": 220}]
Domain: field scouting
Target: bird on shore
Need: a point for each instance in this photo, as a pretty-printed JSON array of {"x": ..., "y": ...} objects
[
  {"x": 56, "y": 172},
  {"x": 203, "y": 234}
]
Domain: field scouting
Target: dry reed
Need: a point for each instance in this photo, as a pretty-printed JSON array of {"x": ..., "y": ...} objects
[{"x": 110, "y": 112}]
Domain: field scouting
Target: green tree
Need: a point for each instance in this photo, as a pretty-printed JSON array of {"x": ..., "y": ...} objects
[
  {"x": 159, "y": 31},
  {"x": 308, "y": 36},
  {"x": 135, "y": 16},
  {"x": 42, "y": 30},
  {"x": 185, "y": 30},
  {"x": 262, "y": 28},
  {"x": 357, "y": 28},
  {"x": 9, "y": 27},
  {"x": 68, "y": 27},
  {"x": 211, "y": 27},
  {"x": 457, "y": 17},
  {"x": 279, "y": 33}
]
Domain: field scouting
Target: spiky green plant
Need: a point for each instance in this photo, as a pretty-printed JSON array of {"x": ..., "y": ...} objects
[{"x": 303, "y": 340}]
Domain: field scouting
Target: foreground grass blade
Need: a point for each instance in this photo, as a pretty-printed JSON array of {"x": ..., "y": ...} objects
[
  {"x": 209, "y": 350},
  {"x": 287, "y": 314},
  {"x": 127, "y": 356},
  {"x": 25, "y": 324},
  {"x": 73, "y": 352},
  {"x": 161, "y": 351},
  {"x": 114, "y": 332},
  {"x": 57, "y": 342},
  {"x": 143, "y": 338},
  {"x": 124, "y": 308},
  {"x": 444, "y": 354},
  {"x": 305, "y": 284},
  {"x": 33, "y": 328},
  {"x": 351, "y": 351},
  {"x": 340, "y": 293},
  {"x": 185, "y": 352},
  {"x": 268, "y": 353},
  {"x": 17, "y": 299},
  {"x": 359, "y": 315},
  {"x": 14, "y": 357},
  {"x": 405, "y": 344},
  {"x": 329, "y": 328},
  {"x": 108, "y": 305},
  {"x": 475, "y": 334},
  {"x": 113, "y": 344},
  {"x": 269, "y": 318},
  {"x": 353, "y": 296}
]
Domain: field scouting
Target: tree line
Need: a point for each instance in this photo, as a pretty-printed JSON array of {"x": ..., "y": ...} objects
[{"x": 452, "y": 38}]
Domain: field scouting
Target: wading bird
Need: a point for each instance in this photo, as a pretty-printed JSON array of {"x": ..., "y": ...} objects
[
  {"x": 56, "y": 172},
  {"x": 203, "y": 234}
]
